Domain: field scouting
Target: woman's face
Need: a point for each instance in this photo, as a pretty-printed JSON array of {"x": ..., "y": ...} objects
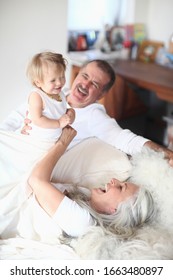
[{"x": 107, "y": 200}]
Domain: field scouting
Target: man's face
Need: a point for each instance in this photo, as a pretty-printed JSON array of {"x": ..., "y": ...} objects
[{"x": 87, "y": 88}]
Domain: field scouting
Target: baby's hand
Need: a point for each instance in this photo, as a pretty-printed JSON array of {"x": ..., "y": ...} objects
[
  {"x": 64, "y": 121},
  {"x": 67, "y": 118},
  {"x": 71, "y": 113}
]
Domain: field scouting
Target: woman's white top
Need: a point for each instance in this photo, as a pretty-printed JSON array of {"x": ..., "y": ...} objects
[{"x": 69, "y": 217}]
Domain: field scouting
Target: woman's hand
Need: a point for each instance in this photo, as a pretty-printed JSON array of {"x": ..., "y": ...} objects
[{"x": 67, "y": 135}]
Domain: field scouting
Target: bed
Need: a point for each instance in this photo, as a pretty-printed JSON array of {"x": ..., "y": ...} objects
[{"x": 90, "y": 163}]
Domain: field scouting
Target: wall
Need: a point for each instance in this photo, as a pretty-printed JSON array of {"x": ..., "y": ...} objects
[
  {"x": 160, "y": 20},
  {"x": 156, "y": 14},
  {"x": 27, "y": 27},
  {"x": 141, "y": 11}
]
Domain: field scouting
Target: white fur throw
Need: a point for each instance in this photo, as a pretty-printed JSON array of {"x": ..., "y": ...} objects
[
  {"x": 154, "y": 242},
  {"x": 151, "y": 170}
]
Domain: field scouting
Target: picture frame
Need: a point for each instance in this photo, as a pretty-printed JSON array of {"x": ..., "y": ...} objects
[
  {"x": 148, "y": 50},
  {"x": 117, "y": 37}
]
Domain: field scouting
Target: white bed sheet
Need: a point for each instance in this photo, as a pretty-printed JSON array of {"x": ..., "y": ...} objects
[{"x": 26, "y": 231}]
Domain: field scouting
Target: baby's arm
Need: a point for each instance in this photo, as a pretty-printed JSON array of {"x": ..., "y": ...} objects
[
  {"x": 36, "y": 107},
  {"x": 27, "y": 127}
]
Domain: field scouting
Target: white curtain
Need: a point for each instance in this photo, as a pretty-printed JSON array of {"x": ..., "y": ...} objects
[{"x": 94, "y": 14}]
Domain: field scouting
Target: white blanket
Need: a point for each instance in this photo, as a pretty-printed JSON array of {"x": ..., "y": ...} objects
[
  {"x": 26, "y": 231},
  {"x": 18, "y": 153},
  {"x": 17, "y": 248}
]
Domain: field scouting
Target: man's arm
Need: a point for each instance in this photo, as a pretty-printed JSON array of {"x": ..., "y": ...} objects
[
  {"x": 158, "y": 148},
  {"x": 15, "y": 119},
  {"x": 123, "y": 139}
]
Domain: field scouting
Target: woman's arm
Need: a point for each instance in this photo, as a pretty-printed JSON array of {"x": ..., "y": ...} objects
[{"x": 47, "y": 195}]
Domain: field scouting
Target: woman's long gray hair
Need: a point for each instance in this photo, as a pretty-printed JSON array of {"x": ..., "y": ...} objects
[{"x": 130, "y": 214}]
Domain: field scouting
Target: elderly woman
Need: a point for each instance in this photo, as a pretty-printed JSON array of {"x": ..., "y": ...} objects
[{"x": 74, "y": 209}]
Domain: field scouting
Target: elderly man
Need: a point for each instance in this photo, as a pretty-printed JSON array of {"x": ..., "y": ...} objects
[{"x": 92, "y": 83}]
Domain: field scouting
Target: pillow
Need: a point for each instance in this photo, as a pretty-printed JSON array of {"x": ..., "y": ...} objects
[{"x": 92, "y": 163}]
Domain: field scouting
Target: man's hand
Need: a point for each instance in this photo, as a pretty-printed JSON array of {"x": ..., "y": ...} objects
[
  {"x": 158, "y": 148},
  {"x": 26, "y": 127}
]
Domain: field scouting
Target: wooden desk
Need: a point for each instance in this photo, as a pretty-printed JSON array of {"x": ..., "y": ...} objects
[{"x": 149, "y": 76}]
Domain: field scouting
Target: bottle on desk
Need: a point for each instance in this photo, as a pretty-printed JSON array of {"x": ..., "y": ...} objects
[
  {"x": 134, "y": 50},
  {"x": 170, "y": 50}
]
